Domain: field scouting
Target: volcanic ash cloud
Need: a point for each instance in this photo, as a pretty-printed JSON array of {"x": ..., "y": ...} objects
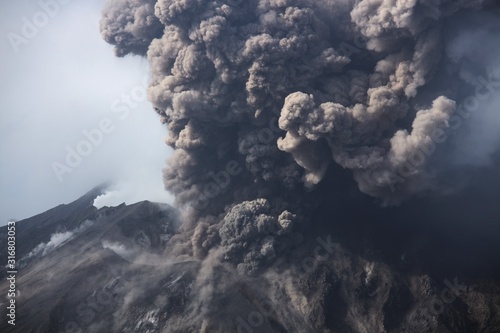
[{"x": 289, "y": 92}]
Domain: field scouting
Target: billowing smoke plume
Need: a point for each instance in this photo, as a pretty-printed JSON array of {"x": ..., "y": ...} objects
[
  {"x": 130, "y": 25},
  {"x": 56, "y": 240},
  {"x": 266, "y": 99}
]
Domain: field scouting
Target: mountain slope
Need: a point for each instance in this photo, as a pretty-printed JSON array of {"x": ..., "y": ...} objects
[
  {"x": 83, "y": 269},
  {"x": 67, "y": 253}
]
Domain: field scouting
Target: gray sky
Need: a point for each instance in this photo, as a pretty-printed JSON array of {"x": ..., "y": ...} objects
[{"x": 64, "y": 80}]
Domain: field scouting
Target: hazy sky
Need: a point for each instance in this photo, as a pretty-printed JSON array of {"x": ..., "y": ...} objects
[{"x": 62, "y": 86}]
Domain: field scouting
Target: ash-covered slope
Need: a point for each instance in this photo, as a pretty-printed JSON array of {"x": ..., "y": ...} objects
[
  {"x": 39, "y": 228},
  {"x": 111, "y": 270},
  {"x": 73, "y": 253}
]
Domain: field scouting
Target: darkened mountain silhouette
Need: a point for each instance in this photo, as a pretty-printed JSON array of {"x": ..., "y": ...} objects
[
  {"x": 83, "y": 269},
  {"x": 69, "y": 254}
]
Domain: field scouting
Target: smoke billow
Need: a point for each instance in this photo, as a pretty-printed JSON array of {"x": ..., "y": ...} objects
[
  {"x": 130, "y": 25},
  {"x": 56, "y": 240},
  {"x": 265, "y": 99}
]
